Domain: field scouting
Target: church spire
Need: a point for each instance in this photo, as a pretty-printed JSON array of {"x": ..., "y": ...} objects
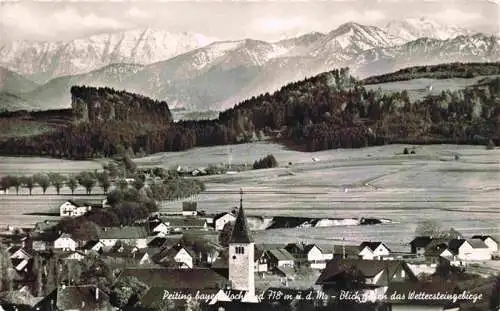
[{"x": 240, "y": 232}]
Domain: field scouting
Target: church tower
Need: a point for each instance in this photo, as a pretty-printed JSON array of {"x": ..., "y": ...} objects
[{"x": 241, "y": 255}]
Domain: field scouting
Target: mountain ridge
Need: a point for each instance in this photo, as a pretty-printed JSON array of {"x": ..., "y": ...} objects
[{"x": 222, "y": 73}]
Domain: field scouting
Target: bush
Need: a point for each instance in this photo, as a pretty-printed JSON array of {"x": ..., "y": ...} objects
[
  {"x": 267, "y": 162},
  {"x": 405, "y": 151}
]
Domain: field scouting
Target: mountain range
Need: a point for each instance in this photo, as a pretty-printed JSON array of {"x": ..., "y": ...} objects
[{"x": 188, "y": 71}]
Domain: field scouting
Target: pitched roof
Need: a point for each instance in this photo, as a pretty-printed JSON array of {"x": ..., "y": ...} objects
[
  {"x": 477, "y": 243},
  {"x": 220, "y": 215},
  {"x": 369, "y": 268},
  {"x": 177, "y": 278},
  {"x": 308, "y": 247},
  {"x": 483, "y": 237},
  {"x": 240, "y": 232},
  {"x": 455, "y": 244},
  {"x": 184, "y": 221},
  {"x": 128, "y": 232},
  {"x": 157, "y": 242},
  {"x": 280, "y": 254},
  {"x": 372, "y": 245}
]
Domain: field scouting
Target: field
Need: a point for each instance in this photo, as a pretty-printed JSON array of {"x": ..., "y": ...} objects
[
  {"x": 371, "y": 182},
  {"x": 417, "y": 87},
  {"x": 376, "y": 182}
]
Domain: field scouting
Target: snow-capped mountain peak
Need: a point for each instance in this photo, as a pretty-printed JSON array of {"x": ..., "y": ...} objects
[
  {"x": 414, "y": 28},
  {"x": 45, "y": 60}
]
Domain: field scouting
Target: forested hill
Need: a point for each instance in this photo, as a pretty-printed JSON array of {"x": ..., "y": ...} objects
[
  {"x": 330, "y": 110},
  {"x": 90, "y": 104},
  {"x": 441, "y": 71}
]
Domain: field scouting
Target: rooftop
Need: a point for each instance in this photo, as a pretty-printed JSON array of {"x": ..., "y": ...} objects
[{"x": 127, "y": 232}]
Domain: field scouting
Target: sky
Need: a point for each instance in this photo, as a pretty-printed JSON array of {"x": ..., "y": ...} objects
[{"x": 230, "y": 20}]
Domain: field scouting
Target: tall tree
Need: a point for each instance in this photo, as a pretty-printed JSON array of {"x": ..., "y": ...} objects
[
  {"x": 72, "y": 184},
  {"x": 28, "y": 182},
  {"x": 57, "y": 180},
  {"x": 43, "y": 181},
  {"x": 16, "y": 183},
  {"x": 87, "y": 180},
  {"x": 104, "y": 182}
]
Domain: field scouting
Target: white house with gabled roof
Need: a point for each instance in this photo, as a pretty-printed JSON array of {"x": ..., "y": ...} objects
[{"x": 373, "y": 250}]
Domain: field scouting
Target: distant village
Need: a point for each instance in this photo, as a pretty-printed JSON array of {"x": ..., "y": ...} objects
[{"x": 194, "y": 261}]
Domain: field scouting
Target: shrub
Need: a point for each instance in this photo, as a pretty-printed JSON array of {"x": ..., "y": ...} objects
[{"x": 267, "y": 162}]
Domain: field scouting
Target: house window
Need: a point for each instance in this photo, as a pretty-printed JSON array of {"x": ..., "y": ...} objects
[{"x": 239, "y": 250}]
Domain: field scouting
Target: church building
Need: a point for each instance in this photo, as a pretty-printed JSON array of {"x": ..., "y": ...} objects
[{"x": 241, "y": 257}]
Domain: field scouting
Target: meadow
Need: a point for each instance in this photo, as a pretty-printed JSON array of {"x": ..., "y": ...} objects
[{"x": 417, "y": 87}]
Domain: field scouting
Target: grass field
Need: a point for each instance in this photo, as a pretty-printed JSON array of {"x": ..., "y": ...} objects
[
  {"x": 417, "y": 87},
  {"x": 376, "y": 182},
  {"x": 370, "y": 182}
]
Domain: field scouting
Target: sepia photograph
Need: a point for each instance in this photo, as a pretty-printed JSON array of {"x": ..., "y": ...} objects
[{"x": 251, "y": 155}]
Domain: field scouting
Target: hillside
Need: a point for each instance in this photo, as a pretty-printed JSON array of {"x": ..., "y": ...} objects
[
  {"x": 12, "y": 82},
  {"x": 441, "y": 71},
  {"x": 328, "y": 111}
]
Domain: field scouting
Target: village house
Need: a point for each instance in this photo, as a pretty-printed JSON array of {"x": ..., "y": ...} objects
[
  {"x": 65, "y": 242},
  {"x": 489, "y": 241},
  {"x": 158, "y": 227},
  {"x": 315, "y": 257},
  {"x": 94, "y": 246},
  {"x": 377, "y": 276},
  {"x": 419, "y": 244},
  {"x": 189, "y": 209},
  {"x": 50, "y": 240},
  {"x": 18, "y": 252},
  {"x": 179, "y": 224},
  {"x": 373, "y": 250},
  {"x": 134, "y": 236},
  {"x": 128, "y": 259},
  {"x": 279, "y": 257},
  {"x": 310, "y": 254},
  {"x": 469, "y": 250},
  {"x": 73, "y": 208},
  {"x": 221, "y": 220},
  {"x": 260, "y": 264},
  {"x": 177, "y": 256}
]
